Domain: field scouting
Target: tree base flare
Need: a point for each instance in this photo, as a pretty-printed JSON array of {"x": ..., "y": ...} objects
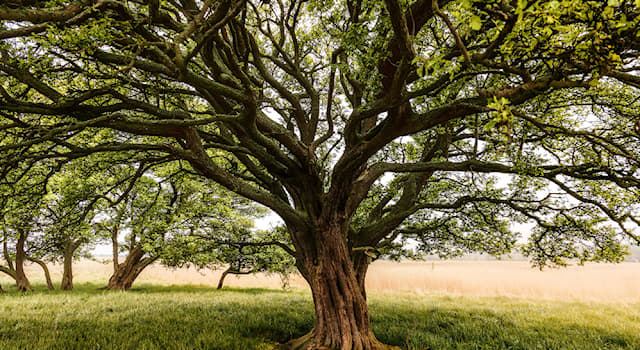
[
  {"x": 24, "y": 285},
  {"x": 311, "y": 341},
  {"x": 118, "y": 285}
]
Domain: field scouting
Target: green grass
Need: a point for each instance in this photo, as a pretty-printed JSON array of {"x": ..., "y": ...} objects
[{"x": 188, "y": 317}]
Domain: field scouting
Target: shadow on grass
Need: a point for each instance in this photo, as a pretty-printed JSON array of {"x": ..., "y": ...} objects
[
  {"x": 149, "y": 288},
  {"x": 185, "y": 317},
  {"x": 199, "y": 317},
  {"x": 39, "y": 289},
  {"x": 95, "y": 288},
  {"x": 469, "y": 327}
]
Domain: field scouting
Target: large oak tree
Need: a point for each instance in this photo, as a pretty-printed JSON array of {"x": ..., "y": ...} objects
[{"x": 361, "y": 123}]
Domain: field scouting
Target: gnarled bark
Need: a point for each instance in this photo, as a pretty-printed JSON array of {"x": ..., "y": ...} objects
[
  {"x": 337, "y": 286},
  {"x": 361, "y": 262},
  {"x": 129, "y": 270},
  {"x": 45, "y": 269}
]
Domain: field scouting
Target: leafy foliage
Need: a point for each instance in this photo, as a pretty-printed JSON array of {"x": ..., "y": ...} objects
[
  {"x": 237, "y": 249},
  {"x": 362, "y": 124}
]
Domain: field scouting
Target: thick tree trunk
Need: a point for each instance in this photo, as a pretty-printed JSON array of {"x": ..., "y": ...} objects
[
  {"x": 129, "y": 270},
  {"x": 361, "y": 262},
  {"x": 67, "y": 272},
  {"x": 67, "y": 264},
  {"x": 342, "y": 314},
  {"x": 22, "y": 282},
  {"x": 47, "y": 275}
]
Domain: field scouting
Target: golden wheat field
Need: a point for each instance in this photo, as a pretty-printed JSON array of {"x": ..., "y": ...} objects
[{"x": 593, "y": 282}]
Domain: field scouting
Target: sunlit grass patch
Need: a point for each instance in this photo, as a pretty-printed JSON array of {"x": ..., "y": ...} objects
[{"x": 196, "y": 317}]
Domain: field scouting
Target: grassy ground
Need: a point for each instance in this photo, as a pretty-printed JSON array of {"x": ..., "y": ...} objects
[{"x": 188, "y": 317}]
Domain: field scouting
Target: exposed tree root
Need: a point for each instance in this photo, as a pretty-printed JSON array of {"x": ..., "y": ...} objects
[{"x": 311, "y": 341}]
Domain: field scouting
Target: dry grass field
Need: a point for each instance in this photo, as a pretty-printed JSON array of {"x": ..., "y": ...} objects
[{"x": 592, "y": 282}]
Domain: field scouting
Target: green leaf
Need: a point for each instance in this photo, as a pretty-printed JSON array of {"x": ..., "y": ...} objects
[{"x": 476, "y": 23}]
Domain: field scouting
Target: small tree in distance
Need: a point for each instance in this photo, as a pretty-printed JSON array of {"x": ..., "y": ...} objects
[
  {"x": 236, "y": 250},
  {"x": 157, "y": 210},
  {"x": 69, "y": 210},
  {"x": 21, "y": 215}
]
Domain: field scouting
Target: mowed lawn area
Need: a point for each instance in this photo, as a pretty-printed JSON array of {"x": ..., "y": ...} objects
[{"x": 181, "y": 316}]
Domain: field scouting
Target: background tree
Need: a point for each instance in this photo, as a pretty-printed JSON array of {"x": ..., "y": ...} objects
[
  {"x": 72, "y": 196},
  {"x": 19, "y": 227},
  {"x": 326, "y": 112},
  {"x": 21, "y": 214},
  {"x": 162, "y": 208},
  {"x": 234, "y": 248},
  {"x": 35, "y": 254},
  {"x": 144, "y": 217},
  {"x": 22, "y": 282}
]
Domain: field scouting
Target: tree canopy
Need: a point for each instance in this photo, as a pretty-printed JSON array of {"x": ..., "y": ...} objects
[
  {"x": 162, "y": 214},
  {"x": 361, "y": 123}
]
